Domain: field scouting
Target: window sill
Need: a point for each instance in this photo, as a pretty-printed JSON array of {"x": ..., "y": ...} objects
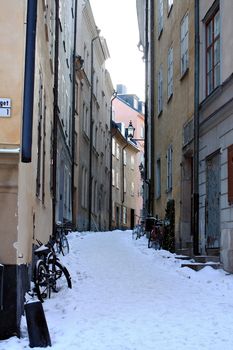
[
  {"x": 169, "y": 98},
  {"x": 184, "y": 74},
  {"x": 160, "y": 34},
  {"x": 160, "y": 114},
  {"x": 169, "y": 10}
]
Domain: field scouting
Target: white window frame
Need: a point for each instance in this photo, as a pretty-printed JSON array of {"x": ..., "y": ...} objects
[
  {"x": 170, "y": 73},
  {"x": 184, "y": 44}
]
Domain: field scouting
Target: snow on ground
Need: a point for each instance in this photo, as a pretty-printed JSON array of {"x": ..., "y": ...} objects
[{"x": 128, "y": 297}]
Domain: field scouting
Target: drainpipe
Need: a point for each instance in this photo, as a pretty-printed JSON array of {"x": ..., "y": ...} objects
[
  {"x": 73, "y": 116},
  {"x": 114, "y": 95},
  {"x": 91, "y": 133},
  {"x": 122, "y": 182},
  {"x": 152, "y": 111},
  {"x": 29, "y": 74},
  {"x": 196, "y": 137},
  {"x": 55, "y": 113}
]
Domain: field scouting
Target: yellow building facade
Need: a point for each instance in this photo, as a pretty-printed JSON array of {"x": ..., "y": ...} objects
[{"x": 173, "y": 114}]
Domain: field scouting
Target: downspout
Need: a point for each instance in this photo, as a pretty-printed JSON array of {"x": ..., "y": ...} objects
[
  {"x": 152, "y": 96},
  {"x": 114, "y": 95},
  {"x": 29, "y": 75},
  {"x": 122, "y": 182},
  {"x": 145, "y": 192},
  {"x": 55, "y": 113},
  {"x": 196, "y": 137},
  {"x": 73, "y": 116},
  {"x": 91, "y": 136}
]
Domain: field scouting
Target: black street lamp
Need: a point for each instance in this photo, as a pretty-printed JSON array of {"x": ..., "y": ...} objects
[{"x": 130, "y": 130}]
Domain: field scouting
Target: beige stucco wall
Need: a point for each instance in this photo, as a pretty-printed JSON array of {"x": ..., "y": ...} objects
[
  {"x": 12, "y": 31},
  {"x": 23, "y": 215},
  {"x": 11, "y": 62},
  {"x": 35, "y": 217},
  {"x": 8, "y": 207},
  {"x": 176, "y": 111}
]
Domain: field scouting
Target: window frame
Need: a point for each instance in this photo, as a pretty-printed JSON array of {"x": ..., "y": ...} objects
[
  {"x": 210, "y": 48},
  {"x": 160, "y": 89},
  {"x": 184, "y": 41},
  {"x": 160, "y": 17},
  {"x": 169, "y": 168},
  {"x": 170, "y": 62}
]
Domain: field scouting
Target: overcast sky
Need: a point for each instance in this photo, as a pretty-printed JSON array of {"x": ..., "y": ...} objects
[{"x": 117, "y": 21}]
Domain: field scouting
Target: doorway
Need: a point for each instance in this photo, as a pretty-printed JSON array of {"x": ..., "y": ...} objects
[{"x": 212, "y": 207}]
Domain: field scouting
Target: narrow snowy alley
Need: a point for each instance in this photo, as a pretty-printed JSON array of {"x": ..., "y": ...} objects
[{"x": 128, "y": 297}]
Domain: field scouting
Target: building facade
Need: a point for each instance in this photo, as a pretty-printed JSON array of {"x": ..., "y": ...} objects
[
  {"x": 64, "y": 108},
  {"x": 216, "y": 130},
  {"x": 25, "y": 188},
  {"x": 127, "y": 108},
  {"x": 93, "y": 100},
  {"x": 124, "y": 180},
  {"x": 173, "y": 113}
]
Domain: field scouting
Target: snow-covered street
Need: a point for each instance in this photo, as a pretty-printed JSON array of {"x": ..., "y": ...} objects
[{"x": 128, "y": 297}]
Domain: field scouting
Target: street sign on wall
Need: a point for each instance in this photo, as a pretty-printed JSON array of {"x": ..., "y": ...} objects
[{"x": 5, "y": 107}]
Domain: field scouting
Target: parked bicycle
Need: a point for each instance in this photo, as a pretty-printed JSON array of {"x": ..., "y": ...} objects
[
  {"x": 155, "y": 238},
  {"x": 61, "y": 241},
  {"x": 138, "y": 231},
  {"x": 49, "y": 273}
]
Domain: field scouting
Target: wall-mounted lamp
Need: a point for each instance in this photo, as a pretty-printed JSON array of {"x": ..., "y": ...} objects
[{"x": 130, "y": 130}]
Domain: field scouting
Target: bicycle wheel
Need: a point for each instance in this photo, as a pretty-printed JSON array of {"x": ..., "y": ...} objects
[
  {"x": 60, "y": 276},
  {"x": 64, "y": 245},
  {"x": 41, "y": 281}
]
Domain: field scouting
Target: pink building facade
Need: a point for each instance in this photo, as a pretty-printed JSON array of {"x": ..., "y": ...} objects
[{"x": 127, "y": 108}]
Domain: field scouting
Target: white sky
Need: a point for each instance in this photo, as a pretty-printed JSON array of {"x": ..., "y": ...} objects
[{"x": 117, "y": 21}]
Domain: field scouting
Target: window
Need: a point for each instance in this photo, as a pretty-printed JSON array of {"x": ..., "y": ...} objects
[
  {"x": 125, "y": 185},
  {"x": 142, "y": 133},
  {"x": 184, "y": 37},
  {"x": 85, "y": 119},
  {"x": 113, "y": 177},
  {"x": 213, "y": 52},
  {"x": 124, "y": 215},
  {"x": 169, "y": 168},
  {"x": 169, "y": 5},
  {"x": 117, "y": 151},
  {"x": 132, "y": 162},
  {"x": 170, "y": 73},
  {"x": 117, "y": 179},
  {"x": 160, "y": 17},
  {"x": 113, "y": 147},
  {"x": 160, "y": 90},
  {"x": 41, "y": 141},
  {"x": 158, "y": 178},
  {"x": 124, "y": 157},
  {"x": 132, "y": 188},
  {"x": 84, "y": 188}
]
